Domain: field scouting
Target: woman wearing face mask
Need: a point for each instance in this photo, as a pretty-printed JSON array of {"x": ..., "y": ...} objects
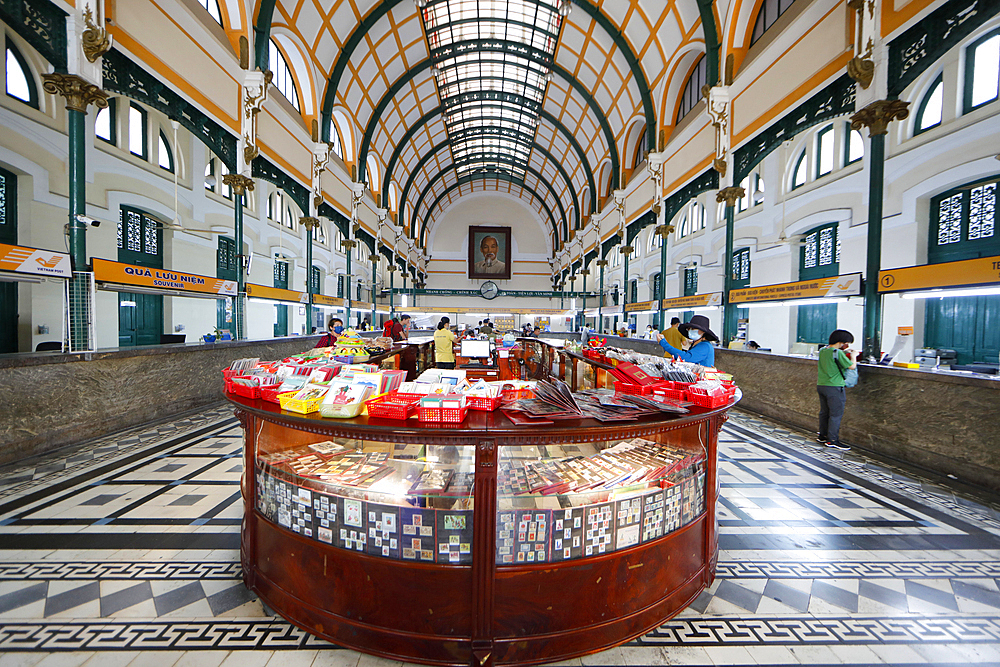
[
  {"x": 701, "y": 350},
  {"x": 334, "y": 328}
]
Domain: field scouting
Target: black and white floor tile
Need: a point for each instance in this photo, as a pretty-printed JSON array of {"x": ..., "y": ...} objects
[{"x": 124, "y": 551}]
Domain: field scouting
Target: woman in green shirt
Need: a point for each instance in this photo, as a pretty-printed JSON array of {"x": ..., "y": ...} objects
[{"x": 833, "y": 361}]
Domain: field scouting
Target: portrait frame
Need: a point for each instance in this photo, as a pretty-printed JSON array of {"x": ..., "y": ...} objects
[{"x": 502, "y": 235}]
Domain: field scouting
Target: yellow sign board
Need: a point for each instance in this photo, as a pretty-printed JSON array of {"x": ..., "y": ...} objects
[
  {"x": 904, "y": 331},
  {"x": 275, "y": 293},
  {"x": 691, "y": 302},
  {"x": 362, "y": 305},
  {"x": 323, "y": 300},
  {"x": 18, "y": 259},
  {"x": 950, "y": 274},
  {"x": 640, "y": 306},
  {"x": 846, "y": 285},
  {"x": 106, "y": 271}
]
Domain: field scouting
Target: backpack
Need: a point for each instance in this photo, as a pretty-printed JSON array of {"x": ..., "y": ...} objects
[{"x": 850, "y": 375}]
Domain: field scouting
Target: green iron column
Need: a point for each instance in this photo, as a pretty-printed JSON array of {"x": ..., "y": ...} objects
[
  {"x": 600, "y": 297},
  {"x": 584, "y": 272},
  {"x": 663, "y": 231},
  {"x": 392, "y": 289},
  {"x": 374, "y": 278},
  {"x": 626, "y": 251},
  {"x": 730, "y": 196},
  {"x": 79, "y": 95},
  {"x": 876, "y": 117},
  {"x": 310, "y": 223},
  {"x": 241, "y": 185},
  {"x": 349, "y": 250}
]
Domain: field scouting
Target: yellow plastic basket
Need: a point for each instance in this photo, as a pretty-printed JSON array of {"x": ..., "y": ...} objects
[{"x": 292, "y": 404}]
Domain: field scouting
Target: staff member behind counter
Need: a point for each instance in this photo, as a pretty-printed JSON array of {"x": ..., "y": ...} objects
[
  {"x": 444, "y": 345},
  {"x": 701, "y": 352}
]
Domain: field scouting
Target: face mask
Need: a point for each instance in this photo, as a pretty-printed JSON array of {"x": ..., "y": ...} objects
[
  {"x": 694, "y": 334},
  {"x": 338, "y": 329}
]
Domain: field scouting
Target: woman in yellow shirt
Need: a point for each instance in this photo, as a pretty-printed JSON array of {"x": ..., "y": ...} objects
[{"x": 444, "y": 345}]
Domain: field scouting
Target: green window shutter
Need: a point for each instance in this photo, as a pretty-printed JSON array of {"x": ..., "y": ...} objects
[
  {"x": 140, "y": 239},
  {"x": 820, "y": 253},
  {"x": 691, "y": 281},
  {"x": 340, "y": 287},
  {"x": 964, "y": 223},
  {"x": 225, "y": 262},
  {"x": 741, "y": 268},
  {"x": 8, "y": 207},
  {"x": 280, "y": 274},
  {"x": 315, "y": 280}
]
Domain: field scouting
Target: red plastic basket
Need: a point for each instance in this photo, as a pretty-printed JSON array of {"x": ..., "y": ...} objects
[
  {"x": 483, "y": 402},
  {"x": 392, "y": 406},
  {"x": 453, "y": 415},
  {"x": 242, "y": 389},
  {"x": 270, "y": 393},
  {"x": 677, "y": 394},
  {"x": 638, "y": 389},
  {"x": 228, "y": 373},
  {"x": 708, "y": 401}
]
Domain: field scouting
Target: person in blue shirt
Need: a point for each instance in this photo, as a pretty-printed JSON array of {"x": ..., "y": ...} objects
[{"x": 701, "y": 351}]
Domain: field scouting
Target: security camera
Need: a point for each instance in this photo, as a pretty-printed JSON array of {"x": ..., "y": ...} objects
[{"x": 87, "y": 220}]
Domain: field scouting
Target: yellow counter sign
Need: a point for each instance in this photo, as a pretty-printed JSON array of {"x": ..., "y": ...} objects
[
  {"x": 639, "y": 306},
  {"x": 276, "y": 293},
  {"x": 696, "y": 301},
  {"x": 323, "y": 300},
  {"x": 984, "y": 270},
  {"x": 142, "y": 276},
  {"x": 846, "y": 285}
]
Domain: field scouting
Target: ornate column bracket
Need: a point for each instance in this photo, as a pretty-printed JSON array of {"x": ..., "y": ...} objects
[
  {"x": 239, "y": 183},
  {"x": 717, "y": 108},
  {"x": 861, "y": 67},
  {"x": 877, "y": 116},
  {"x": 730, "y": 195},
  {"x": 654, "y": 166},
  {"x": 309, "y": 222},
  {"x": 254, "y": 91},
  {"x": 79, "y": 93},
  {"x": 321, "y": 157},
  {"x": 95, "y": 40}
]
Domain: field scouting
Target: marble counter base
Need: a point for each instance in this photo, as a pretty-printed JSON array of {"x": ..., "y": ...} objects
[{"x": 68, "y": 400}]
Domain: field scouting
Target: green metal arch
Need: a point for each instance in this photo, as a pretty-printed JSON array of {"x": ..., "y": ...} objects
[
  {"x": 425, "y": 64},
  {"x": 484, "y": 176},
  {"x": 512, "y": 179},
  {"x": 425, "y": 119}
]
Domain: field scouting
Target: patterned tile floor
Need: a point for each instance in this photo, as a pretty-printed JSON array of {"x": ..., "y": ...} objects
[{"x": 124, "y": 551}]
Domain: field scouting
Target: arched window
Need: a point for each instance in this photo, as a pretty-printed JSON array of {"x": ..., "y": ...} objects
[
  {"x": 768, "y": 14},
  {"x": 824, "y": 151},
  {"x": 210, "y": 179},
  {"x": 282, "y": 80},
  {"x": 164, "y": 154},
  {"x": 692, "y": 220},
  {"x": 138, "y": 143},
  {"x": 338, "y": 146},
  {"x": 930, "y": 108},
  {"x": 854, "y": 146},
  {"x": 692, "y": 89},
  {"x": 20, "y": 83},
  {"x": 982, "y": 71},
  {"x": 371, "y": 167},
  {"x": 799, "y": 173},
  {"x": 105, "y": 123},
  {"x": 213, "y": 8},
  {"x": 640, "y": 151}
]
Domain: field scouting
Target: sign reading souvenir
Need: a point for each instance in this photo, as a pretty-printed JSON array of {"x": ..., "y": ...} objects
[
  {"x": 276, "y": 293},
  {"x": 982, "y": 270},
  {"x": 639, "y": 306},
  {"x": 18, "y": 259},
  {"x": 323, "y": 300},
  {"x": 696, "y": 301},
  {"x": 106, "y": 271},
  {"x": 846, "y": 285}
]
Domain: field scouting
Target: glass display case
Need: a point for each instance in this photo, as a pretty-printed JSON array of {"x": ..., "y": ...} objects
[{"x": 485, "y": 542}]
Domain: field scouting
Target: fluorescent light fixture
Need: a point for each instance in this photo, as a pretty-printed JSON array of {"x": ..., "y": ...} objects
[
  {"x": 794, "y": 302},
  {"x": 257, "y": 299},
  {"x": 384, "y": 312},
  {"x": 941, "y": 293},
  {"x": 499, "y": 314},
  {"x": 470, "y": 314},
  {"x": 127, "y": 303}
]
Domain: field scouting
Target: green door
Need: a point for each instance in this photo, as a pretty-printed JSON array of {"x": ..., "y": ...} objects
[
  {"x": 8, "y": 234},
  {"x": 140, "y": 242},
  {"x": 816, "y": 323},
  {"x": 970, "y": 325},
  {"x": 225, "y": 269},
  {"x": 281, "y": 280}
]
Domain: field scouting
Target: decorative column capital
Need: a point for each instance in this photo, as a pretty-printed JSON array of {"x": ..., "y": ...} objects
[
  {"x": 349, "y": 244},
  {"x": 602, "y": 263},
  {"x": 584, "y": 272},
  {"x": 730, "y": 195},
  {"x": 79, "y": 93},
  {"x": 877, "y": 116},
  {"x": 309, "y": 222},
  {"x": 627, "y": 250},
  {"x": 375, "y": 258},
  {"x": 239, "y": 183},
  {"x": 664, "y": 230}
]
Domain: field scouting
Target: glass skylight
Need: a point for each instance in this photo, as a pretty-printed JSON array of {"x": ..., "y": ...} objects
[{"x": 492, "y": 60}]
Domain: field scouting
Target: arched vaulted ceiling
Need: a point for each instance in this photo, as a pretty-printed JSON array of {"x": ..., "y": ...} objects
[{"x": 527, "y": 97}]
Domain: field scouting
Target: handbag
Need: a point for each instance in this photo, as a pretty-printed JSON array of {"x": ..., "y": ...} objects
[{"x": 850, "y": 375}]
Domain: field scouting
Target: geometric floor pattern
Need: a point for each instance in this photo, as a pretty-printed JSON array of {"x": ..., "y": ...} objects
[{"x": 125, "y": 551}]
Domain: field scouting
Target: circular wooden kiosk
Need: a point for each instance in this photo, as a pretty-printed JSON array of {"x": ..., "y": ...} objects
[{"x": 480, "y": 613}]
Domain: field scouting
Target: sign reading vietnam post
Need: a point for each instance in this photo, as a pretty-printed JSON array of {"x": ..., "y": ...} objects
[
  {"x": 18, "y": 259},
  {"x": 106, "y": 271},
  {"x": 980, "y": 271},
  {"x": 696, "y": 301},
  {"x": 846, "y": 285}
]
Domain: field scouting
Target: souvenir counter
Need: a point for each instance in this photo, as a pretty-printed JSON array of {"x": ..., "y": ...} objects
[{"x": 523, "y": 533}]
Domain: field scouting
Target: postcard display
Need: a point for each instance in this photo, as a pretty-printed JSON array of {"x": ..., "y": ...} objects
[{"x": 366, "y": 533}]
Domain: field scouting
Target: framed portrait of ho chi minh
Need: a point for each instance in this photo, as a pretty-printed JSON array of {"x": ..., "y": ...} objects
[{"x": 489, "y": 253}]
